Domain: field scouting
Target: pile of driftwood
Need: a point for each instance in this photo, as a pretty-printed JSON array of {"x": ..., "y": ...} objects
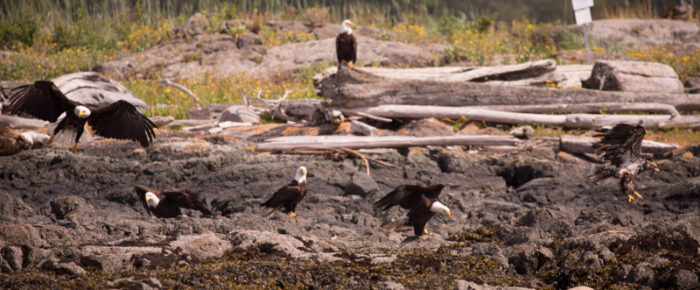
[{"x": 358, "y": 92}]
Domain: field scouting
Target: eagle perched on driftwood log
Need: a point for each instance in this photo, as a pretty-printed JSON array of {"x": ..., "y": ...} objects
[
  {"x": 119, "y": 120},
  {"x": 622, "y": 147},
  {"x": 346, "y": 45},
  {"x": 420, "y": 200}
]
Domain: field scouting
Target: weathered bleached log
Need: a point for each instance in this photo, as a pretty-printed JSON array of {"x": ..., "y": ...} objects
[
  {"x": 576, "y": 144},
  {"x": 588, "y": 108},
  {"x": 360, "y": 142},
  {"x": 352, "y": 88},
  {"x": 16, "y": 122},
  {"x": 161, "y": 121},
  {"x": 519, "y": 74},
  {"x": 188, "y": 122},
  {"x": 363, "y": 129},
  {"x": 585, "y": 121}
]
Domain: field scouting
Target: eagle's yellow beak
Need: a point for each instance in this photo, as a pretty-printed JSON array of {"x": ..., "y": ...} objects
[
  {"x": 352, "y": 24},
  {"x": 148, "y": 199},
  {"x": 656, "y": 169},
  {"x": 449, "y": 214},
  {"x": 303, "y": 172},
  {"x": 81, "y": 114}
]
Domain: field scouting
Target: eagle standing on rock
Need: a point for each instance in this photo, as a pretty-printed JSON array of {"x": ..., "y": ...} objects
[
  {"x": 119, "y": 120},
  {"x": 622, "y": 146},
  {"x": 346, "y": 45},
  {"x": 289, "y": 195},
  {"x": 422, "y": 203},
  {"x": 167, "y": 203}
]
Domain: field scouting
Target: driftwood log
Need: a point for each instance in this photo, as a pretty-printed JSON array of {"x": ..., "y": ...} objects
[
  {"x": 587, "y": 108},
  {"x": 576, "y": 144},
  {"x": 19, "y": 123},
  {"x": 352, "y": 88},
  {"x": 362, "y": 142},
  {"x": 585, "y": 121},
  {"x": 536, "y": 72}
]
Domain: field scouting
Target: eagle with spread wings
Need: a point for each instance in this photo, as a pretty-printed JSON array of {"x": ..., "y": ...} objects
[{"x": 622, "y": 147}]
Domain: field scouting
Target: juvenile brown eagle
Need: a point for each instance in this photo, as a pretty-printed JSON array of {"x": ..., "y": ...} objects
[
  {"x": 119, "y": 120},
  {"x": 420, "y": 200},
  {"x": 167, "y": 203},
  {"x": 287, "y": 197},
  {"x": 346, "y": 45},
  {"x": 622, "y": 146}
]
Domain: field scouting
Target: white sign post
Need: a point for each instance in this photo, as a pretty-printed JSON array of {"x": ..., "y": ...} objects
[{"x": 582, "y": 12}]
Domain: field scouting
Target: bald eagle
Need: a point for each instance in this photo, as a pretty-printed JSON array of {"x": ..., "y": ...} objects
[
  {"x": 289, "y": 195},
  {"x": 119, "y": 120},
  {"x": 167, "y": 204},
  {"x": 420, "y": 200},
  {"x": 346, "y": 45},
  {"x": 622, "y": 147}
]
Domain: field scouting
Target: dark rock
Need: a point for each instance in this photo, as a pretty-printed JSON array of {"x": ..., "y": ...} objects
[
  {"x": 13, "y": 256},
  {"x": 12, "y": 208},
  {"x": 693, "y": 84},
  {"x": 69, "y": 268},
  {"x": 20, "y": 234},
  {"x": 202, "y": 247},
  {"x": 247, "y": 40},
  {"x": 678, "y": 279},
  {"x": 426, "y": 128},
  {"x": 239, "y": 114},
  {"x": 519, "y": 171},
  {"x": 67, "y": 207},
  {"x": 361, "y": 184},
  {"x": 641, "y": 274},
  {"x": 56, "y": 236},
  {"x": 544, "y": 220},
  {"x": 527, "y": 259}
]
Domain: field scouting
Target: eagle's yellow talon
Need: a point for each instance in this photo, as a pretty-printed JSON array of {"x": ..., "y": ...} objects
[
  {"x": 350, "y": 64},
  {"x": 75, "y": 148},
  {"x": 292, "y": 214},
  {"x": 630, "y": 198},
  {"x": 427, "y": 233},
  {"x": 423, "y": 238},
  {"x": 50, "y": 140},
  {"x": 638, "y": 195}
]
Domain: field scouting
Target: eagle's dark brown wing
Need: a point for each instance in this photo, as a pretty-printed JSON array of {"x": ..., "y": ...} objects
[
  {"x": 121, "y": 120},
  {"x": 617, "y": 141},
  {"x": 433, "y": 191},
  {"x": 42, "y": 100},
  {"x": 183, "y": 198},
  {"x": 346, "y": 47},
  {"x": 141, "y": 193},
  {"x": 287, "y": 193},
  {"x": 403, "y": 196}
]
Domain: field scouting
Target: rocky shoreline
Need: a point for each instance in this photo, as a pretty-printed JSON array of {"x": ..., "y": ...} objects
[{"x": 524, "y": 218}]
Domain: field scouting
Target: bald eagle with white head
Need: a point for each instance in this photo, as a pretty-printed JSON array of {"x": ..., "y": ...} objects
[
  {"x": 287, "y": 197},
  {"x": 119, "y": 120},
  {"x": 167, "y": 203},
  {"x": 422, "y": 203},
  {"x": 346, "y": 44},
  {"x": 622, "y": 147}
]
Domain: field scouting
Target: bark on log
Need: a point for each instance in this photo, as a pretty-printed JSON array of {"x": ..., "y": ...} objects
[
  {"x": 17, "y": 123},
  {"x": 576, "y": 144},
  {"x": 584, "y": 121},
  {"x": 361, "y": 142},
  {"x": 352, "y": 88}
]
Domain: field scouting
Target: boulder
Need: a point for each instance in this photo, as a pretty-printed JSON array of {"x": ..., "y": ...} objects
[
  {"x": 13, "y": 257},
  {"x": 678, "y": 279},
  {"x": 279, "y": 244},
  {"x": 361, "y": 184},
  {"x": 12, "y": 208},
  {"x": 70, "y": 268},
  {"x": 20, "y": 235},
  {"x": 527, "y": 259},
  {"x": 468, "y": 285},
  {"x": 197, "y": 24},
  {"x": 90, "y": 88},
  {"x": 248, "y": 39},
  {"x": 641, "y": 274},
  {"x": 67, "y": 207},
  {"x": 633, "y": 76},
  {"x": 201, "y": 247},
  {"x": 239, "y": 114}
]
